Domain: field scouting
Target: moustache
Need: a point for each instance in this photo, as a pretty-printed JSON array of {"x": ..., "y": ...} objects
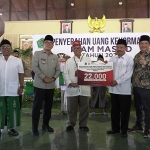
[{"x": 119, "y": 51}]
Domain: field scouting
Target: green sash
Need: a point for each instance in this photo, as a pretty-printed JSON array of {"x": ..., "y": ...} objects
[{"x": 61, "y": 79}]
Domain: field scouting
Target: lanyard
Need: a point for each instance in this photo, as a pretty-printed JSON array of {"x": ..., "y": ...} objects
[{"x": 76, "y": 62}]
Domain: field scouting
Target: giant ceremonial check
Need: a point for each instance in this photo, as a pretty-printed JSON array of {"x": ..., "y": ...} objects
[
  {"x": 95, "y": 74},
  {"x": 92, "y": 44}
]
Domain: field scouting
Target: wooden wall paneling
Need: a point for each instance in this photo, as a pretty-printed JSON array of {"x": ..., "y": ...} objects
[
  {"x": 148, "y": 8},
  {"x": 59, "y": 4},
  {"x": 33, "y": 15},
  {"x": 81, "y": 9},
  {"x": 5, "y": 16},
  {"x": 143, "y": 9},
  {"x": 91, "y": 4},
  {"x": 37, "y": 5},
  {"x": 37, "y": 10},
  {"x": 4, "y": 6},
  {"x": 50, "y": 4},
  {"x": 80, "y": 4},
  {"x": 60, "y": 13},
  {"x": 51, "y": 14},
  {"x": 71, "y": 13},
  {"x": 14, "y": 16},
  {"x": 23, "y": 16},
  {"x": 19, "y": 5},
  {"x": 137, "y": 8},
  {"x": 81, "y": 14},
  {"x": 114, "y": 10},
  {"x": 40, "y": 15},
  {"x": 19, "y": 10},
  {"x": 70, "y": 10},
  {"x": 96, "y": 8}
]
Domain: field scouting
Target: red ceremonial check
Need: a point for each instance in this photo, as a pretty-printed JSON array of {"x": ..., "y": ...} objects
[{"x": 97, "y": 74}]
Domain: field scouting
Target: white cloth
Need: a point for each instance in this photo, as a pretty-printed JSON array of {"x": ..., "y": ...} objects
[
  {"x": 123, "y": 69},
  {"x": 62, "y": 87},
  {"x": 62, "y": 64},
  {"x": 69, "y": 77},
  {"x": 9, "y": 78}
]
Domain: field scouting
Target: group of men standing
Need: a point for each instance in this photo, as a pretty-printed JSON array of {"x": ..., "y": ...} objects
[{"x": 128, "y": 73}]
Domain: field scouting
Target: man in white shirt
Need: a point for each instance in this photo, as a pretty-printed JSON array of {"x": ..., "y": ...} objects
[
  {"x": 11, "y": 86},
  {"x": 77, "y": 95},
  {"x": 62, "y": 85},
  {"x": 120, "y": 90}
]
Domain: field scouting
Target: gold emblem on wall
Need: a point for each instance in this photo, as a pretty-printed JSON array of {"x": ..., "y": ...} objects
[{"x": 96, "y": 24}]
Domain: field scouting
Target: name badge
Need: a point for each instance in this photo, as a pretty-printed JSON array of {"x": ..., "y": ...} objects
[{"x": 43, "y": 61}]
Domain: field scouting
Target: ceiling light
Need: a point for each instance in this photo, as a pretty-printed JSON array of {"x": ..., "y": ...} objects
[
  {"x": 72, "y": 4},
  {"x": 120, "y": 3},
  {"x": 0, "y": 14}
]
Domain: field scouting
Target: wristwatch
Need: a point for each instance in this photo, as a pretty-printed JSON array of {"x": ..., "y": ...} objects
[{"x": 22, "y": 87}]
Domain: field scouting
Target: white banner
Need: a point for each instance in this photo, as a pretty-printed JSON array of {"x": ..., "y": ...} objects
[{"x": 92, "y": 44}]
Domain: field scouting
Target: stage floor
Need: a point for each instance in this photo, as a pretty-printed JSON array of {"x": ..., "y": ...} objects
[{"x": 95, "y": 139}]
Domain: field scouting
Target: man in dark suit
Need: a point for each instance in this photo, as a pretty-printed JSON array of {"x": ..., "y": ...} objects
[
  {"x": 126, "y": 29},
  {"x": 66, "y": 30}
]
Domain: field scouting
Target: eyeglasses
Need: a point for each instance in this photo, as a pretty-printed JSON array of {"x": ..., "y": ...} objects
[
  {"x": 6, "y": 47},
  {"x": 48, "y": 42}
]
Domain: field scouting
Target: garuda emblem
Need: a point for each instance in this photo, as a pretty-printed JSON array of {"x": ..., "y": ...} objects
[{"x": 96, "y": 24}]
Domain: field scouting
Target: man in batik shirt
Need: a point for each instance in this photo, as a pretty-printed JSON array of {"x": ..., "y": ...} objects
[{"x": 141, "y": 86}]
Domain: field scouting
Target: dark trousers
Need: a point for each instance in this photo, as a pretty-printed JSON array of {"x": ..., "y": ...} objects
[
  {"x": 142, "y": 103},
  {"x": 39, "y": 96},
  {"x": 120, "y": 111}
]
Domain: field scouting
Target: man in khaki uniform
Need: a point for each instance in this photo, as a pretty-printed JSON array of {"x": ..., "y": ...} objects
[{"x": 46, "y": 67}]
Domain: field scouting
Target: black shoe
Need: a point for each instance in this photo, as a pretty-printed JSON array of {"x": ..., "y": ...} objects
[
  {"x": 69, "y": 128},
  {"x": 124, "y": 135},
  {"x": 47, "y": 128},
  {"x": 136, "y": 128},
  {"x": 84, "y": 128},
  {"x": 35, "y": 133},
  {"x": 112, "y": 132}
]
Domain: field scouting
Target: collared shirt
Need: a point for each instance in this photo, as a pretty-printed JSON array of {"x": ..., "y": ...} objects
[
  {"x": 69, "y": 77},
  {"x": 141, "y": 73},
  {"x": 9, "y": 81},
  {"x": 45, "y": 65},
  {"x": 123, "y": 69}
]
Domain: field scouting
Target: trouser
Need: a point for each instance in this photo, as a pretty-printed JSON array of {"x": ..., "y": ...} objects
[
  {"x": 63, "y": 105},
  {"x": 9, "y": 111},
  {"x": 72, "y": 107},
  {"x": 39, "y": 96},
  {"x": 120, "y": 110},
  {"x": 142, "y": 103},
  {"x": 20, "y": 101}
]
